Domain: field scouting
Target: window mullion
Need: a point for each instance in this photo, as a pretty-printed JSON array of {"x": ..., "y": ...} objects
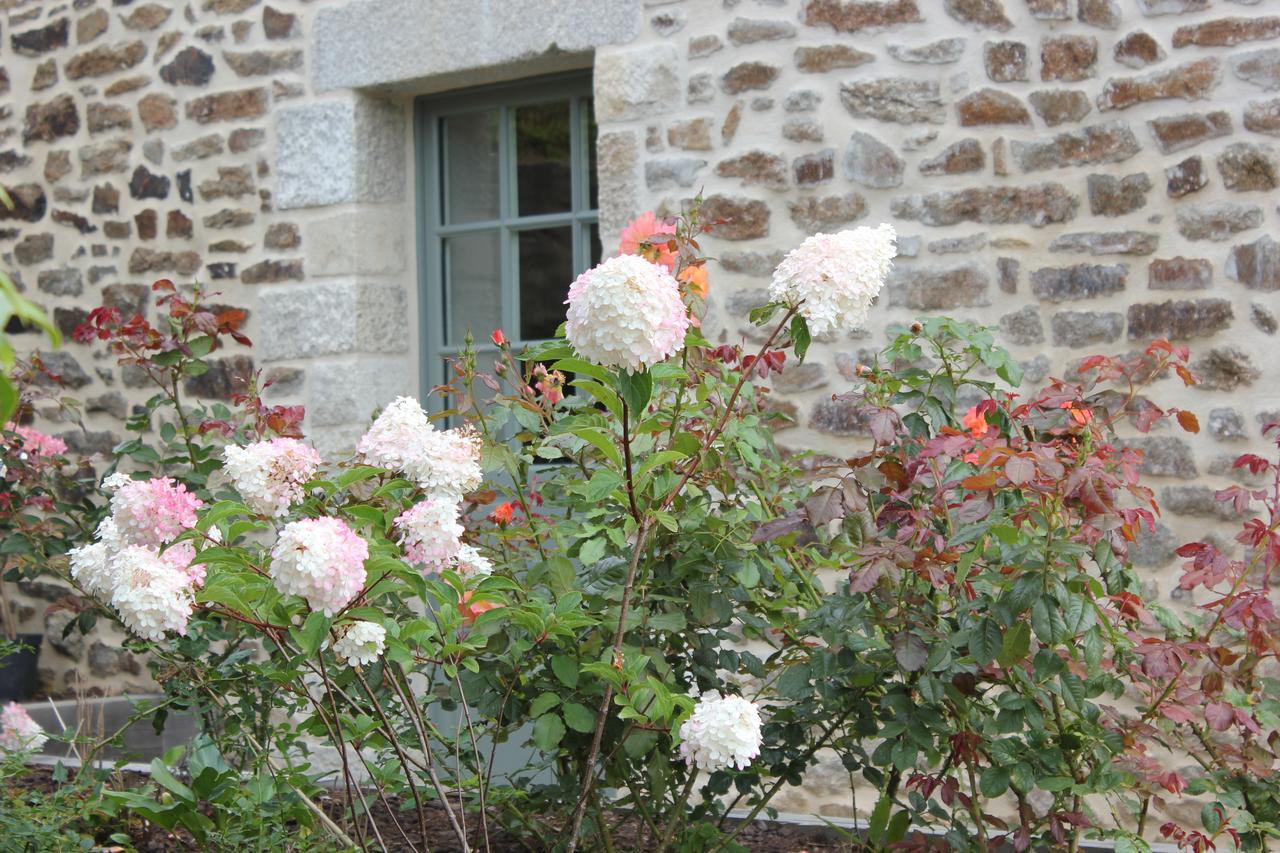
[{"x": 508, "y": 207}]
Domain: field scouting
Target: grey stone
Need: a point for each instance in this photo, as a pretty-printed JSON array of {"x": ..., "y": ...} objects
[
  {"x": 1263, "y": 318},
  {"x": 958, "y": 158},
  {"x": 56, "y": 623},
  {"x": 828, "y": 57},
  {"x": 1006, "y": 61},
  {"x": 1164, "y": 456},
  {"x": 1227, "y": 424},
  {"x": 1107, "y": 243},
  {"x": 106, "y": 661},
  {"x": 1082, "y": 281},
  {"x": 335, "y": 152},
  {"x": 1217, "y": 221},
  {"x": 1153, "y": 549},
  {"x": 959, "y": 245},
  {"x": 983, "y": 14},
  {"x": 871, "y": 163},
  {"x": 617, "y": 154},
  {"x": 802, "y": 130},
  {"x": 1023, "y": 327},
  {"x": 1152, "y": 8},
  {"x": 332, "y": 318},
  {"x": 756, "y": 168},
  {"x": 815, "y": 214},
  {"x": 700, "y": 89},
  {"x": 837, "y": 417},
  {"x": 1060, "y": 106},
  {"x": 1249, "y": 167},
  {"x": 1259, "y": 67},
  {"x": 61, "y": 282},
  {"x": 1263, "y": 117},
  {"x": 352, "y": 388},
  {"x": 675, "y": 172},
  {"x": 1256, "y": 265},
  {"x": 938, "y": 288},
  {"x": 702, "y": 46},
  {"x": 1036, "y": 205},
  {"x": 65, "y": 366},
  {"x": 636, "y": 82},
  {"x": 1035, "y": 370},
  {"x": 111, "y": 402},
  {"x": 742, "y": 302},
  {"x": 760, "y": 264},
  {"x": 749, "y": 76},
  {"x": 1197, "y": 501},
  {"x": 668, "y": 22},
  {"x": 1111, "y": 142},
  {"x": 367, "y": 241},
  {"x": 33, "y": 248},
  {"x": 1086, "y": 328},
  {"x": 802, "y": 101},
  {"x": 796, "y": 378},
  {"x": 941, "y": 52},
  {"x": 378, "y": 42},
  {"x": 749, "y": 31},
  {"x": 1224, "y": 368},
  {"x": 1186, "y": 177},
  {"x": 1007, "y": 273},
  {"x": 1114, "y": 196},
  {"x": 895, "y": 99}
]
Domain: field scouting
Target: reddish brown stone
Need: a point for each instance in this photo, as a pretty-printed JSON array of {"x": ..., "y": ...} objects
[
  {"x": 106, "y": 199},
  {"x": 1259, "y": 67},
  {"x": 1263, "y": 117},
  {"x": 257, "y": 63},
  {"x": 826, "y": 214},
  {"x": 828, "y": 57},
  {"x": 278, "y": 25},
  {"x": 1113, "y": 196},
  {"x": 106, "y": 59},
  {"x": 266, "y": 272},
  {"x": 1249, "y": 167},
  {"x": 127, "y": 85},
  {"x": 1186, "y": 177},
  {"x": 1036, "y": 205},
  {"x": 1174, "y": 133},
  {"x": 1060, "y": 106},
  {"x": 983, "y": 14},
  {"x": 1138, "y": 50},
  {"x": 734, "y": 218},
  {"x": 812, "y": 169},
  {"x": 1005, "y": 61},
  {"x": 73, "y": 220},
  {"x": 961, "y": 157},
  {"x": 105, "y": 117},
  {"x": 147, "y": 17},
  {"x": 1190, "y": 82},
  {"x": 1179, "y": 274},
  {"x": 282, "y": 235},
  {"x": 1050, "y": 10},
  {"x": 177, "y": 225},
  {"x": 46, "y": 75},
  {"x": 245, "y": 139},
  {"x": 57, "y": 166},
  {"x": 747, "y": 76},
  {"x": 158, "y": 112},
  {"x": 91, "y": 26},
  {"x": 29, "y": 203},
  {"x": 1068, "y": 58},
  {"x": 1179, "y": 319},
  {"x": 146, "y": 221},
  {"x": 1226, "y": 32},
  {"x": 1100, "y": 13},
  {"x": 852, "y": 16},
  {"x": 228, "y": 106},
  {"x": 191, "y": 66},
  {"x": 989, "y": 106},
  {"x": 756, "y": 167},
  {"x": 691, "y": 134}
]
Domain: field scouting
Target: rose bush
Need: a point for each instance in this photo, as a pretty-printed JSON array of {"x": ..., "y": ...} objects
[{"x": 598, "y": 555}]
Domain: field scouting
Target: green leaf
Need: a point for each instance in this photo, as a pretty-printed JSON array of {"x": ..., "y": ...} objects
[
  {"x": 1016, "y": 644},
  {"x": 761, "y": 313},
  {"x": 673, "y": 621},
  {"x": 579, "y": 717},
  {"x": 592, "y": 550},
  {"x": 543, "y": 704},
  {"x": 8, "y": 399},
  {"x": 566, "y": 669},
  {"x": 313, "y": 633},
  {"x": 994, "y": 781},
  {"x": 601, "y": 442},
  {"x": 879, "y": 819},
  {"x": 548, "y": 731},
  {"x": 636, "y": 389},
  {"x": 800, "y": 336},
  {"x": 985, "y": 641},
  {"x": 162, "y": 775}
]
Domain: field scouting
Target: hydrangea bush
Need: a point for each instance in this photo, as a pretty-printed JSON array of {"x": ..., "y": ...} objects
[{"x": 597, "y": 558}]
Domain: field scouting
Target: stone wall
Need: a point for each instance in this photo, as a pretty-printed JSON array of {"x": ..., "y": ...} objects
[{"x": 1085, "y": 174}]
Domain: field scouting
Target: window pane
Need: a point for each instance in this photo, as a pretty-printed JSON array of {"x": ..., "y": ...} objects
[
  {"x": 473, "y": 285},
  {"x": 593, "y": 199},
  {"x": 543, "y": 176},
  {"x": 470, "y": 168},
  {"x": 546, "y": 271}
]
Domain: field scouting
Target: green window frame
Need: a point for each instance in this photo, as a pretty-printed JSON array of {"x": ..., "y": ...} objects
[{"x": 502, "y": 222}]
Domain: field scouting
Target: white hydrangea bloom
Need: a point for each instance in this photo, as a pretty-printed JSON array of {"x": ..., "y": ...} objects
[
  {"x": 93, "y": 564},
  {"x": 430, "y": 533},
  {"x": 722, "y": 732},
  {"x": 444, "y": 463},
  {"x": 362, "y": 643},
  {"x": 835, "y": 277},
  {"x": 151, "y": 595},
  {"x": 471, "y": 563},
  {"x": 269, "y": 475},
  {"x": 320, "y": 559},
  {"x": 18, "y": 732},
  {"x": 626, "y": 312}
]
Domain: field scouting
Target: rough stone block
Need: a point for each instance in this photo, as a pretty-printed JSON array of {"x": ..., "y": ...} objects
[
  {"x": 636, "y": 82},
  {"x": 335, "y": 152},
  {"x": 364, "y": 241},
  {"x": 332, "y": 318}
]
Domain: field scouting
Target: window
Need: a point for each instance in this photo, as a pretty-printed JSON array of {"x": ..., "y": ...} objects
[{"x": 507, "y": 212}]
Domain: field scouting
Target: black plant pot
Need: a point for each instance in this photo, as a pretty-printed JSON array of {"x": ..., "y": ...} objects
[{"x": 18, "y": 675}]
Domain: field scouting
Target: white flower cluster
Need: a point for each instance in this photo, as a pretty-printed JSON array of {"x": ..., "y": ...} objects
[
  {"x": 722, "y": 732},
  {"x": 444, "y": 463},
  {"x": 150, "y": 589},
  {"x": 18, "y": 732},
  {"x": 430, "y": 533},
  {"x": 834, "y": 278},
  {"x": 626, "y": 312},
  {"x": 151, "y": 595},
  {"x": 320, "y": 559},
  {"x": 269, "y": 475},
  {"x": 469, "y": 562},
  {"x": 362, "y": 643}
]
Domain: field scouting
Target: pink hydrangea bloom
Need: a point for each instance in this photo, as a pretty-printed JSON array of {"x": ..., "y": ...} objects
[
  {"x": 18, "y": 732},
  {"x": 269, "y": 475},
  {"x": 322, "y": 560},
  {"x": 151, "y": 594},
  {"x": 151, "y": 512},
  {"x": 444, "y": 463},
  {"x": 429, "y": 533},
  {"x": 34, "y": 441},
  {"x": 643, "y": 228},
  {"x": 626, "y": 312}
]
